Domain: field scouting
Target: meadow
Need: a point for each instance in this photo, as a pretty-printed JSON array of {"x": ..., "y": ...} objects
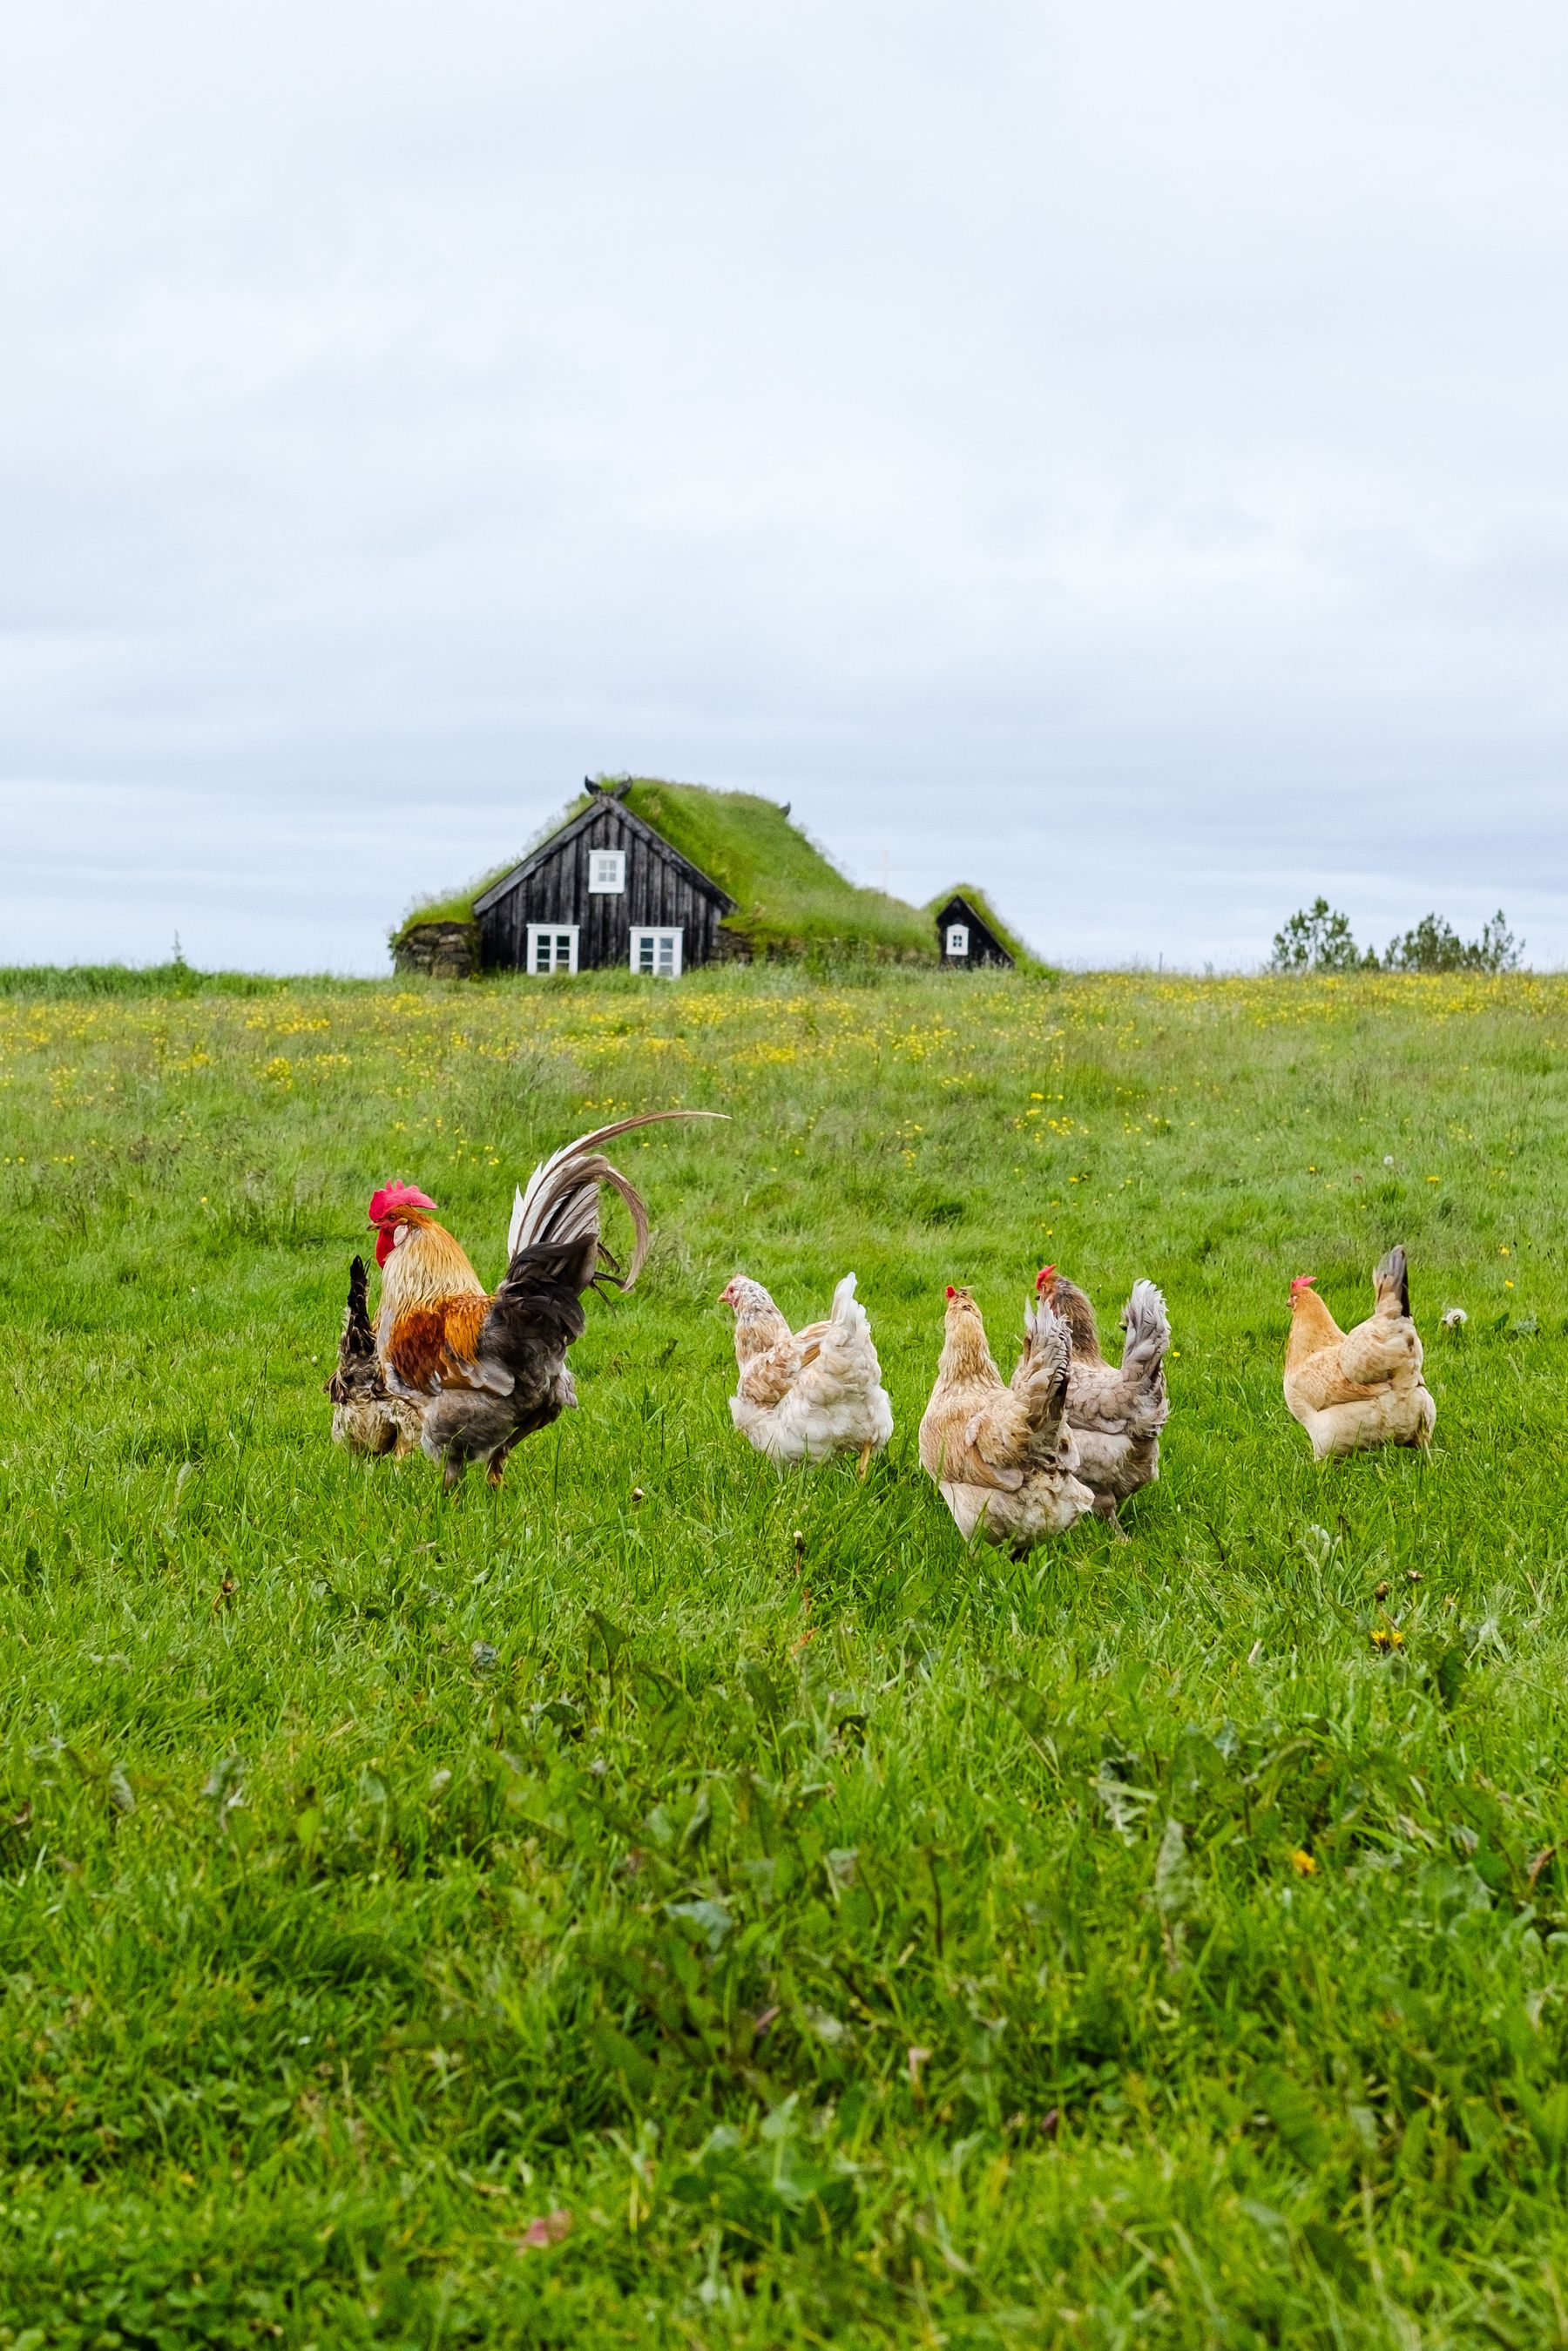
[{"x": 658, "y": 1903}]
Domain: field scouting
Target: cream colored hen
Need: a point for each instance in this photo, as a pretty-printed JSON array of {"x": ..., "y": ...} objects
[
  {"x": 1003, "y": 1458},
  {"x": 805, "y": 1395},
  {"x": 1349, "y": 1389}
]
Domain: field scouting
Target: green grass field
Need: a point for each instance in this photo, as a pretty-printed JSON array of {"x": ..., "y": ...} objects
[{"x": 658, "y": 1904}]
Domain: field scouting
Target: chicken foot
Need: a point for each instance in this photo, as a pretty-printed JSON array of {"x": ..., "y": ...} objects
[{"x": 496, "y": 1467}]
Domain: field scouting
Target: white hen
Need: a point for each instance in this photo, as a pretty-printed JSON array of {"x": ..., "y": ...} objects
[{"x": 807, "y": 1395}]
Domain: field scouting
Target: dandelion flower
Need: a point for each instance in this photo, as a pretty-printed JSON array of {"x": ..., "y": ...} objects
[
  {"x": 1388, "y": 1637},
  {"x": 1303, "y": 1865}
]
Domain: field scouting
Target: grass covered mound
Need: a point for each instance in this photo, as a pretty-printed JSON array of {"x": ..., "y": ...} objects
[
  {"x": 662, "y": 1903},
  {"x": 790, "y": 899}
]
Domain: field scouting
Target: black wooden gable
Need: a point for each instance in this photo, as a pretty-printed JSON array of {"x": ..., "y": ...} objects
[
  {"x": 982, "y": 946},
  {"x": 663, "y": 891}
]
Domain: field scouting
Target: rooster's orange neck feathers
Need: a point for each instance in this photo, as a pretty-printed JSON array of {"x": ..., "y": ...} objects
[{"x": 426, "y": 1265}]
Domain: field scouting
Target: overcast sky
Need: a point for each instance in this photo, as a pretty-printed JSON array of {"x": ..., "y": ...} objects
[{"x": 1118, "y": 455}]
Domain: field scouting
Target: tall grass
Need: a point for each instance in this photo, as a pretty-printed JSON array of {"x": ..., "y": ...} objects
[{"x": 662, "y": 1903}]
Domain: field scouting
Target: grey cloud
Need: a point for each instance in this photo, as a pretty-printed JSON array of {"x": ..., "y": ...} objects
[{"x": 1118, "y": 457}]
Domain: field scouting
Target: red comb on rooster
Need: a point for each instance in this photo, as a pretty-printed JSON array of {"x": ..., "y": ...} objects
[{"x": 384, "y": 1207}]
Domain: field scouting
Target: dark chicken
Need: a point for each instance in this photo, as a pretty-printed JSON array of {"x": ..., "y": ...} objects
[{"x": 366, "y": 1417}]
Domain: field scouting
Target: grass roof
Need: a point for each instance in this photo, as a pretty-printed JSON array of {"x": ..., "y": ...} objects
[{"x": 788, "y": 894}]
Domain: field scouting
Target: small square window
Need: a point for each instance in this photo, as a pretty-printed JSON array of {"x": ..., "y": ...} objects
[
  {"x": 957, "y": 938},
  {"x": 658, "y": 952},
  {"x": 607, "y": 872}
]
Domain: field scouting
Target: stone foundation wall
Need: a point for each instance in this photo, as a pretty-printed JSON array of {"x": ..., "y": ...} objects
[{"x": 438, "y": 951}]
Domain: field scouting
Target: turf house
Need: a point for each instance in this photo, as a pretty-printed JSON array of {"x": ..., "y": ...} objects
[
  {"x": 660, "y": 878},
  {"x": 967, "y": 937}
]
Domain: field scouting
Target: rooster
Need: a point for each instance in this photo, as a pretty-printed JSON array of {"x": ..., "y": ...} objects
[
  {"x": 366, "y": 1417},
  {"x": 1360, "y": 1387},
  {"x": 487, "y": 1368},
  {"x": 807, "y": 1395},
  {"x": 1116, "y": 1413},
  {"x": 1003, "y": 1458}
]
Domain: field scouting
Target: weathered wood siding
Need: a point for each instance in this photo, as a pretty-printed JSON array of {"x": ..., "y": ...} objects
[{"x": 657, "y": 892}]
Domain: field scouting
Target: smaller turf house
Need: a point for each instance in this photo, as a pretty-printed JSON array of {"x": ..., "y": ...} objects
[
  {"x": 969, "y": 939},
  {"x": 659, "y": 878}
]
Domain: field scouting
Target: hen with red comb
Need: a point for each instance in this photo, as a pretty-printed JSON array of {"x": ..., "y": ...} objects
[
  {"x": 1353, "y": 1389},
  {"x": 1003, "y": 1459}
]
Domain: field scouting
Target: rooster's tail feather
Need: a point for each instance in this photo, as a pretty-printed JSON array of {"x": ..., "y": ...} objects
[{"x": 561, "y": 1202}]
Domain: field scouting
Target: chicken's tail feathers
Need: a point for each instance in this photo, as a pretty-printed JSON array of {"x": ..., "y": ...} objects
[
  {"x": 356, "y": 1366},
  {"x": 359, "y": 1336},
  {"x": 845, "y": 1303},
  {"x": 1391, "y": 1280},
  {"x": 1147, "y": 1329},
  {"x": 561, "y": 1200},
  {"x": 1043, "y": 1390}
]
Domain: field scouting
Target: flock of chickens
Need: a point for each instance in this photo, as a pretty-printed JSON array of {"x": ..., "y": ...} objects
[{"x": 464, "y": 1372}]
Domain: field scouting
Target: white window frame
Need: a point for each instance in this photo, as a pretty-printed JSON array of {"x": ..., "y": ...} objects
[
  {"x": 607, "y": 872},
  {"x": 657, "y": 933},
  {"x": 552, "y": 931},
  {"x": 957, "y": 938}
]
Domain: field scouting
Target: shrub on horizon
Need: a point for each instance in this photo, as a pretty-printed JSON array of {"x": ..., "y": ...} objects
[
  {"x": 1435, "y": 946},
  {"x": 1319, "y": 938}
]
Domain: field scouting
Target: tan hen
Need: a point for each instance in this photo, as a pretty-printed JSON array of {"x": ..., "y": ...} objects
[
  {"x": 1003, "y": 1458},
  {"x": 1350, "y": 1389}
]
